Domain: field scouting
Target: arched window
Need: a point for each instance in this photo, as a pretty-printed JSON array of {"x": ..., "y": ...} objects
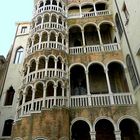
[
  {"x": 9, "y": 96},
  {"x": 132, "y": 73},
  {"x": 18, "y": 56},
  {"x": 7, "y": 128}
]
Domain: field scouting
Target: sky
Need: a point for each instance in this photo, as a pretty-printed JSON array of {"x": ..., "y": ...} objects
[{"x": 12, "y": 11}]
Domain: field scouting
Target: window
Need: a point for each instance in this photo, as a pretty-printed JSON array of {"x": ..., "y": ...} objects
[
  {"x": 9, "y": 96},
  {"x": 7, "y": 128},
  {"x": 18, "y": 56},
  {"x": 126, "y": 13},
  {"x": 132, "y": 73},
  {"x": 118, "y": 24},
  {"x": 23, "y": 29}
]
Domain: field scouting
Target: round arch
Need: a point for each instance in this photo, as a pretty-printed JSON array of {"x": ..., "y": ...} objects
[
  {"x": 106, "y": 118},
  {"x": 128, "y": 117},
  {"x": 77, "y": 64}
]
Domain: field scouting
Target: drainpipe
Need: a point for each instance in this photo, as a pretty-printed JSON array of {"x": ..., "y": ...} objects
[{"x": 128, "y": 44}]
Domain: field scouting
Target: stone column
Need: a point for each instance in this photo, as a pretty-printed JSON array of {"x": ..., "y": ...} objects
[
  {"x": 55, "y": 67},
  {"x": 99, "y": 34},
  {"x": 63, "y": 95},
  {"x": 83, "y": 37},
  {"x": 109, "y": 86},
  {"x": 33, "y": 97},
  {"x": 95, "y": 9},
  {"x": 48, "y": 44},
  {"x": 46, "y": 67},
  {"x": 27, "y": 75},
  {"x": 44, "y": 97},
  {"x": 88, "y": 88},
  {"x": 55, "y": 87},
  {"x": 22, "y": 106},
  {"x": 117, "y": 135},
  {"x": 36, "y": 69},
  {"x": 93, "y": 135}
]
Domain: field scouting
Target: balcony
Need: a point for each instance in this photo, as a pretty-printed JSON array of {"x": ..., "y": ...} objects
[
  {"x": 49, "y": 8},
  {"x": 98, "y": 100},
  {"x": 95, "y": 49},
  {"x": 42, "y": 74},
  {"x": 47, "y": 25},
  {"x": 89, "y": 14}
]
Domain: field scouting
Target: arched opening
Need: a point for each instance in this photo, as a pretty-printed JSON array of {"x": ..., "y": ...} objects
[
  {"x": 60, "y": 38},
  {"x": 104, "y": 130},
  {"x": 129, "y": 130},
  {"x": 29, "y": 42},
  {"x": 75, "y": 36},
  {"x": 51, "y": 62},
  {"x": 53, "y": 18},
  {"x": 74, "y": 10},
  {"x": 19, "y": 55},
  {"x": 60, "y": 5},
  {"x": 60, "y": 20},
  {"x": 41, "y": 4},
  {"x": 97, "y": 79},
  {"x": 59, "y": 63},
  {"x": 46, "y": 18},
  {"x": 33, "y": 66},
  {"x": 80, "y": 131},
  {"x": 106, "y": 31},
  {"x": 117, "y": 78},
  {"x": 52, "y": 37},
  {"x": 36, "y": 39},
  {"x": 39, "y": 20},
  {"x": 41, "y": 64},
  {"x": 28, "y": 94},
  {"x": 100, "y": 6},
  {"x": 9, "y": 96},
  {"x": 7, "y": 127},
  {"x": 50, "y": 89},
  {"x": 44, "y": 37},
  {"x": 47, "y": 2},
  {"x": 59, "y": 89},
  {"x": 91, "y": 35},
  {"x": 25, "y": 70},
  {"x": 39, "y": 91},
  {"x": 20, "y": 99},
  {"x": 54, "y": 2},
  {"x": 78, "y": 80},
  {"x": 87, "y": 8}
]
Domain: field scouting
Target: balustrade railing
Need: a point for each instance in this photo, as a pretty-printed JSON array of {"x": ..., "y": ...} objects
[
  {"x": 89, "y": 14},
  {"x": 48, "y": 25},
  {"x": 45, "y": 45},
  {"x": 42, "y": 74},
  {"x": 94, "y": 48},
  {"x": 76, "y": 101},
  {"x": 53, "y": 8}
]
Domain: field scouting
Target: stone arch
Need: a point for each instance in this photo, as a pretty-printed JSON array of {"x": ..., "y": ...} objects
[
  {"x": 117, "y": 61},
  {"x": 107, "y": 118},
  {"x": 96, "y": 62},
  {"x": 80, "y": 128},
  {"x": 128, "y": 117},
  {"x": 80, "y": 64}
]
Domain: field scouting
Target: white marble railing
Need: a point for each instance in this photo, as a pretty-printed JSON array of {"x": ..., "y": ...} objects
[
  {"x": 95, "y": 48},
  {"x": 76, "y": 101},
  {"x": 47, "y": 25},
  {"x": 52, "y": 8},
  {"x": 89, "y": 14},
  {"x": 45, "y": 45},
  {"x": 41, "y": 74}
]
